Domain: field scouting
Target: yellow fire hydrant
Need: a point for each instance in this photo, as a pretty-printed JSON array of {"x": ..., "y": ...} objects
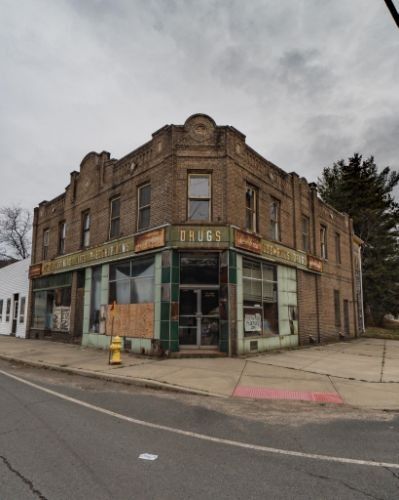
[{"x": 115, "y": 351}]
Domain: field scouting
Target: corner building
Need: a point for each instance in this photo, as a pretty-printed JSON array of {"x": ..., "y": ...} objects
[{"x": 193, "y": 241}]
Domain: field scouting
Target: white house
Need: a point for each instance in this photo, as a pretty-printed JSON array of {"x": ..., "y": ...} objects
[{"x": 14, "y": 287}]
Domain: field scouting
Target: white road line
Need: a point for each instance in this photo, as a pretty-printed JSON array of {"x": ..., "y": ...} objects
[{"x": 203, "y": 437}]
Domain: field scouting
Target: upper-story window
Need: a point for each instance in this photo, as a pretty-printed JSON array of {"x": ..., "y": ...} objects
[
  {"x": 323, "y": 242},
  {"x": 46, "y": 239},
  {"x": 1, "y": 310},
  {"x": 305, "y": 223},
  {"x": 338, "y": 248},
  {"x": 61, "y": 237},
  {"x": 115, "y": 217},
  {"x": 251, "y": 208},
  {"x": 144, "y": 206},
  {"x": 199, "y": 197},
  {"x": 275, "y": 216},
  {"x": 86, "y": 229},
  {"x": 337, "y": 308}
]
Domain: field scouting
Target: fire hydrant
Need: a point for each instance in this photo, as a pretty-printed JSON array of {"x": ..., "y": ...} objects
[{"x": 115, "y": 351}]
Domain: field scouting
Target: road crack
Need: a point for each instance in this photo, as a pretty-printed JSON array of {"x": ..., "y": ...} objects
[
  {"x": 393, "y": 473},
  {"x": 347, "y": 485},
  {"x": 27, "y": 481}
]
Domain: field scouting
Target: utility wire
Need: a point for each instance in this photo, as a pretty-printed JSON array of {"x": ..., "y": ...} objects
[{"x": 393, "y": 11}]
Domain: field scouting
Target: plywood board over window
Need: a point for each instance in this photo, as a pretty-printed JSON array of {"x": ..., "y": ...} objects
[{"x": 131, "y": 320}]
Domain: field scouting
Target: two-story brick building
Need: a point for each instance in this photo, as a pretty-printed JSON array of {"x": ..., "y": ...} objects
[{"x": 191, "y": 241}]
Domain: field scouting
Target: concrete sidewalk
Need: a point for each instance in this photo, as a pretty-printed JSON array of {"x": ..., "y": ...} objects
[{"x": 362, "y": 373}]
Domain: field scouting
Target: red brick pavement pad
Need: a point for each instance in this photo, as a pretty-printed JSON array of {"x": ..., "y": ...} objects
[{"x": 268, "y": 393}]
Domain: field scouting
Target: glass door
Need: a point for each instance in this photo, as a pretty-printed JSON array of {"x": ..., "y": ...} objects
[
  {"x": 199, "y": 317},
  {"x": 209, "y": 318}
]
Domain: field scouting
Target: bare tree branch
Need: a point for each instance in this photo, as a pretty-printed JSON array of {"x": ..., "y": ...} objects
[{"x": 15, "y": 226}]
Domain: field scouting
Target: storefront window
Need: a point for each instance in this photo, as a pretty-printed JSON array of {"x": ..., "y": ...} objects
[
  {"x": 52, "y": 302},
  {"x": 95, "y": 300},
  {"x": 260, "y": 298},
  {"x": 132, "y": 282},
  {"x": 199, "y": 268}
]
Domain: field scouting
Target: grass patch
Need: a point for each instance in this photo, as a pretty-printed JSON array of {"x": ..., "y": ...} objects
[{"x": 390, "y": 331}]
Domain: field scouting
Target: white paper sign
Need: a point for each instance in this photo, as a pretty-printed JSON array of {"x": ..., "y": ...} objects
[{"x": 253, "y": 322}]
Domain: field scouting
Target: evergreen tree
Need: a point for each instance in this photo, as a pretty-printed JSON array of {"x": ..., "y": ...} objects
[{"x": 359, "y": 189}]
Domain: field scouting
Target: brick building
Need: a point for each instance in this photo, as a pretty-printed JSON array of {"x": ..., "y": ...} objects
[{"x": 191, "y": 241}]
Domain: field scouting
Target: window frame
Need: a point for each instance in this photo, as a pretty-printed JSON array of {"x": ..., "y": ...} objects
[
  {"x": 253, "y": 212},
  {"x": 46, "y": 240},
  {"x": 62, "y": 228},
  {"x": 141, "y": 208},
  {"x": 207, "y": 198},
  {"x": 114, "y": 220},
  {"x": 258, "y": 305},
  {"x": 338, "y": 255},
  {"x": 305, "y": 234},
  {"x": 275, "y": 223},
  {"x": 337, "y": 309},
  {"x": 323, "y": 242},
  {"x": 85, "y": 231}
]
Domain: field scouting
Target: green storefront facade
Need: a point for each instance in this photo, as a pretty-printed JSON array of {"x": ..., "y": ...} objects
[{"x": 184, "y": 287}]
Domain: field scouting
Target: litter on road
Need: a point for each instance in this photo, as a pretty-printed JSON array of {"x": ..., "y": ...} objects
[{"x": 148, "y": 456}]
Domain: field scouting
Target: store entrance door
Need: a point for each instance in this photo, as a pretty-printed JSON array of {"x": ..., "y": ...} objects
[{"x": 199, "y": 317}]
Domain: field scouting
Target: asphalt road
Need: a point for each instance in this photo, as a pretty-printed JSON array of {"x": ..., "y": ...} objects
[{"x": 52, "y": 448}]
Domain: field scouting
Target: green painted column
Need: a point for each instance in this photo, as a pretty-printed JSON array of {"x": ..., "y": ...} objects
[{"x": 157, "y": 296}]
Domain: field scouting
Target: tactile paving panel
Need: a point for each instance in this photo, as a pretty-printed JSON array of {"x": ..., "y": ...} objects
[{"x": 267, "y": 393}]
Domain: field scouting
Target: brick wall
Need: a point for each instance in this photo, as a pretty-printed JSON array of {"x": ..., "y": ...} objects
[{"x": 165, "y": 162}]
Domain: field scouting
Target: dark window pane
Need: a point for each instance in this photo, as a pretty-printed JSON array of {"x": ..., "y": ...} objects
[
  {"x": 199, "y": 186},
  {"x": 270, "y": 318},
  {"x": 62, "y": 297},
  {"x": 198, "y": 210},
  {"x": 143, "y": 267},
  {"x": 95, "y": 300},
  {"x": 115, "y": 208},
  {"x": 188, "y": 321},
  {"x": 188, "y": 302},
  {"x": 144, "y": 218},
  {"x": 145, "y": 195},
  {"x": 199, "y": 268},
  {"x": 119, "y": 271},
  {"x": 114, "y": 228},
  {"x": 187, "y": 336},
  {"x": 210, "y": 302}
]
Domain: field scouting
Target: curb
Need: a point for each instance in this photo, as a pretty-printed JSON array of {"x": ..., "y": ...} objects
[{"x": 138, "y": 382}]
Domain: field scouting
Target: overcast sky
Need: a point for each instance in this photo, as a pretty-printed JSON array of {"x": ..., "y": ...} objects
[{"x": 307, "y": 81}]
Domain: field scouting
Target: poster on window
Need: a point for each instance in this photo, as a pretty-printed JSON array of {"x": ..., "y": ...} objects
[
  {"x": 61, "y": 318},
  {"x": 252, "y": 322}
]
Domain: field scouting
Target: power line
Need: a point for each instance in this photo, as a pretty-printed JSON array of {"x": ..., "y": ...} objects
[{"x": 393, "y": 11}]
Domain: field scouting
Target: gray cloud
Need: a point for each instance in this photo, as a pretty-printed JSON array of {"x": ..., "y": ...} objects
[{"x": 308, "y": 82}]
